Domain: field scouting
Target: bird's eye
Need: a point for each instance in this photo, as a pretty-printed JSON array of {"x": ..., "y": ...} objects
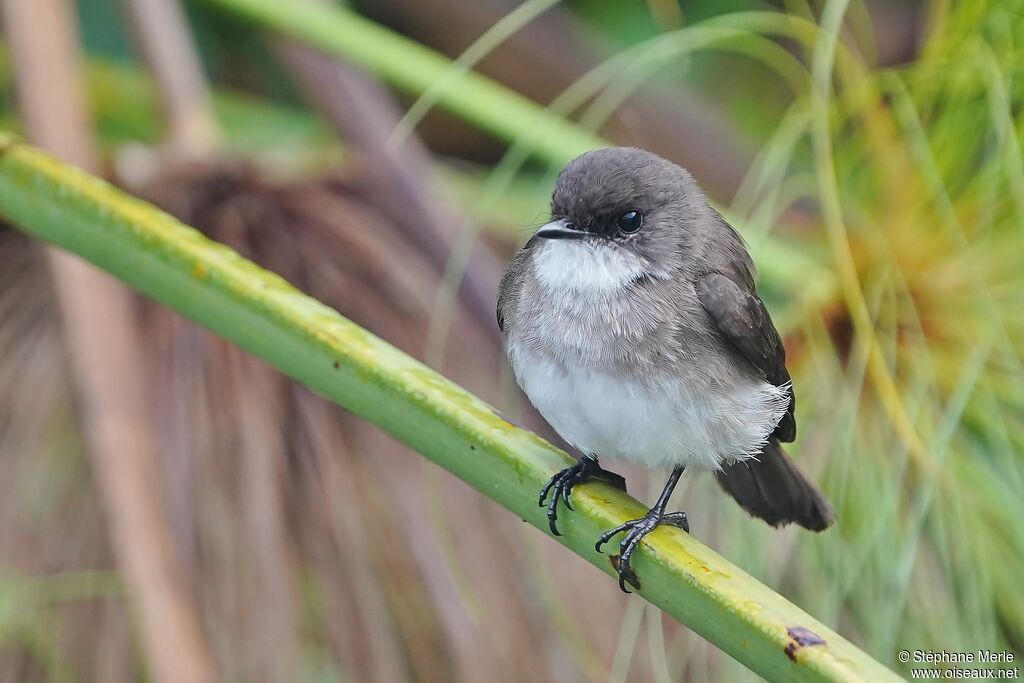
[{"x": 630, "y": 222}]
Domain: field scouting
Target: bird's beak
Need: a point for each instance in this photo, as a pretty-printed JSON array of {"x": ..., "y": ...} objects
[{"x": 561, "y": 230}]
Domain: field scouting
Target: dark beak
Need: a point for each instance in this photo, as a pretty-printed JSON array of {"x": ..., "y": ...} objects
[{"x": 561, "y": 230}]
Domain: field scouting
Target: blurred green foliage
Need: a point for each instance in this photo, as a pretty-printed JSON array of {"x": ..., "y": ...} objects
[{"x": 914, "y": 422}]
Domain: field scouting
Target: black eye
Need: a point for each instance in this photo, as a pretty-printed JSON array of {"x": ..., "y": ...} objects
[{"x": 630, "y": 222}]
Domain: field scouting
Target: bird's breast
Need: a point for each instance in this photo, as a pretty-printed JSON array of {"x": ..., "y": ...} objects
[
  {"x": 585, "y": 304},
  {"x": 624, "y": 372},
  {"x": 655, "y": 420}
]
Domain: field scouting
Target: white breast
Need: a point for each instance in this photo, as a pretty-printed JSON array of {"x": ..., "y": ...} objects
[{"x": 665, "y": 423}]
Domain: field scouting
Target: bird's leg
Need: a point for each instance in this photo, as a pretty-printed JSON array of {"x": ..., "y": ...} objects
[
  {"x": 638, "y": 528},
  {"x": 562, "y": 484}
]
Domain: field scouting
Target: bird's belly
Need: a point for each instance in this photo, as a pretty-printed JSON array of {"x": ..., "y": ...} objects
[{"x": 657, "y": 423}]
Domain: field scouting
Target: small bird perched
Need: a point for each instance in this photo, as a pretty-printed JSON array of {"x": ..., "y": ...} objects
[{"x": 632, "y": 323}]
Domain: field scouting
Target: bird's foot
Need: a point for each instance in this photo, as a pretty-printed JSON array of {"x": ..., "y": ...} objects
[
  {"x": 635, "y": 531},
  {"x": 561, "y": 485}
]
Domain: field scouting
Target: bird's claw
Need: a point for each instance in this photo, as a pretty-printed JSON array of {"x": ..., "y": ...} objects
[
  {"x": 563, "y": 483},
  {"x": 636, "y": 530}
]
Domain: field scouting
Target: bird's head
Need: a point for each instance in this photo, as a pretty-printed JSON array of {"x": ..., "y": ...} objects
[{"x": 628, "y": 201}]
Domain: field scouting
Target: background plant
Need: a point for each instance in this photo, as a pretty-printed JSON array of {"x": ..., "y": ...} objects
[{"x": 886, "y": 215}]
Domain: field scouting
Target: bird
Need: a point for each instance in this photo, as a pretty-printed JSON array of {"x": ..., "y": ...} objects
[{"x": 632, "y": 323}]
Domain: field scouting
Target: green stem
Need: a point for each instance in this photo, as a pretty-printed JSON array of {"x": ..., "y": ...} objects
[
  {"x": 313, "y": 344},
  {"x": 414, "y": 68}
]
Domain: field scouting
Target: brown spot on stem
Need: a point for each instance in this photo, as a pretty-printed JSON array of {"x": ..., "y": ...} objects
[{"x": 802, "y": 637}]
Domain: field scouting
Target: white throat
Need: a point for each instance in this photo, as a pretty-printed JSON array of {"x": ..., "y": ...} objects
[{"x": 579, "y": 266}]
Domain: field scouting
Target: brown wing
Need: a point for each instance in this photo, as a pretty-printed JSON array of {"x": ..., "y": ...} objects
[{"x": 744, "y": 322}]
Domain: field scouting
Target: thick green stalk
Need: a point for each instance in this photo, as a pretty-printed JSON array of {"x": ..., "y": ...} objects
[
  {"x": 263, "y": 314},
  {"x": 414, "y": 68}
]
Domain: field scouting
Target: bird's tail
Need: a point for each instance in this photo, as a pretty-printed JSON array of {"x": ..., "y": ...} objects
[{"x": 773, "y": 489}]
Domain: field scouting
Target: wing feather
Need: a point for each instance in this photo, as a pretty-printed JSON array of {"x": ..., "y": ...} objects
[
  {"x": 511, "y": 281},
  {"x": 744, "y": 321}
]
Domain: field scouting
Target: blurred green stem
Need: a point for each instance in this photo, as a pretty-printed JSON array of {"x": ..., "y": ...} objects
[
  {"x": 313, "y": 344},
  {"x": 470, "y": 57},
  {"x": 414, "y": 68}
]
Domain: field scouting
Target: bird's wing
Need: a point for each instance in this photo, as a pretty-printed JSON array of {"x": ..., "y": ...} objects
[
  {"x": 744, "y": 321},
  {"x": 511, "y": 281}
]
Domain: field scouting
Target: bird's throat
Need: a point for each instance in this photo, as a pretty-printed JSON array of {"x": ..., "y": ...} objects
[{"x": 585, "y": 266}]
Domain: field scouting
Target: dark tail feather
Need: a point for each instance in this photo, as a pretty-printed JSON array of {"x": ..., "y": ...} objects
[{"x": 773, "y": 489}]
